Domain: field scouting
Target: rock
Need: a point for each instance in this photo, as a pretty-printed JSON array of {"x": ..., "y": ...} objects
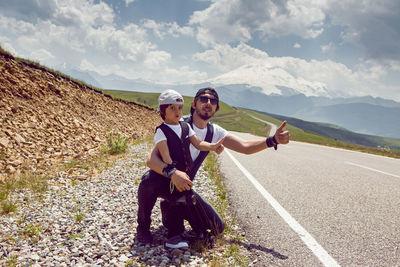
[
  {"x": 176, "y": 253},
  {"x": 2, "y": 179},
  {"x": 123, "y": 258},
  {"x": 19, "y": 139},
  {"x": 49, "y": 110},
  {"x": 16, "y": 162},
  {"x": 4, "y": 142},
  {"x": 10, "y": 169},
  {"x": 34, "y": 257}
]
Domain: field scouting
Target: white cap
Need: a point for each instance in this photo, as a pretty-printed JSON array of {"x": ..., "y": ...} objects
[{"x": 170, "y": 97}]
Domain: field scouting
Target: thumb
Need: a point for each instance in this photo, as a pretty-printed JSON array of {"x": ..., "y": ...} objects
[
  {"x": 282, "y": 126},
  {"x": 220, "y": 142}
]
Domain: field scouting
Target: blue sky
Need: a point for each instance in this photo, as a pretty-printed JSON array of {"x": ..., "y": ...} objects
[{"x": 347, "y": 47}]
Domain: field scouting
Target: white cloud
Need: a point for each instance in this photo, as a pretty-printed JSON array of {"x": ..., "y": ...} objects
[
  {"x": 156, "y": 60},
  {"x": 83, "y": 13},
  {"x": 227, "y": 21},
  {"x": 184, "y": 75},
  {"x": 226, "y": 58},
  {"x": 297, "y": 45},
  {"x": 370, "y": 25},
  {"x": 41, "y": 55},
  {"x": 170, "y": 28},
  {"x": 127, "y": 2},
  {"x": 84, "y": 29},
  {"x": 7, "y": 46},
  {"x": 328, "y": 48},
  {"x": 106, "y": 69}
]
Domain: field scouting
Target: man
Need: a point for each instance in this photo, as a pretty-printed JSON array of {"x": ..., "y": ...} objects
[{"x": 204, "y": 106}]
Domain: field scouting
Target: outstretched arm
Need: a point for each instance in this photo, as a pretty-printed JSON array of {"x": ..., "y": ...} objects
[
  {"x": 252, "y": 146},
  {"x": 206, "y": 146}
]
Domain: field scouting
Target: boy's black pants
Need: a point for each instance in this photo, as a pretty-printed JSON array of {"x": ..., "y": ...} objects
[{"x": 201, "y": 217}]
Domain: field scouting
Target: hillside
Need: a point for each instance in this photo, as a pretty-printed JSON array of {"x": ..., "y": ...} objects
[
  {"x": 338, "y": 133},
  {"x": 45, "y": 117}
]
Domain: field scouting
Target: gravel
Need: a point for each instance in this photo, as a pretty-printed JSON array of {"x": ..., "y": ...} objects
[{"x": 93, "y": 222}]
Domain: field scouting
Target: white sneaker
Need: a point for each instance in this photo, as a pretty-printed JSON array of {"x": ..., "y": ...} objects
[{"x": 176, "y": 242}]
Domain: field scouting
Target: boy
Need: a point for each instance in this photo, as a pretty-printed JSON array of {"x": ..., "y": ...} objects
[{"x": 172, "y": 139}]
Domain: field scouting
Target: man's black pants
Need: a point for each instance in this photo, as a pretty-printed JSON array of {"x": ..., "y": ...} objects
[{"x": 154, "y": 185}]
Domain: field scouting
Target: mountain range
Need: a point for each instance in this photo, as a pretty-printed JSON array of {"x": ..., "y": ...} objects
[{"x": 278, "y": 93}]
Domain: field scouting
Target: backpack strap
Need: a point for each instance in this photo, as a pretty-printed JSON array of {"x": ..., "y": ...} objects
[
  {"x": 203, "y": 154},
  {"x": 185, "y": 144}
]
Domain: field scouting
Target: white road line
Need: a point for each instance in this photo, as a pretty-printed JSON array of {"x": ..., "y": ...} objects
[
  {"x": 371, "y": 169},
  {"x": 311, "y": 243}
]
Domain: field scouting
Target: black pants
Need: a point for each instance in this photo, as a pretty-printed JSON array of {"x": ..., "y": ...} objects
[{"x": 153, "y": 186}]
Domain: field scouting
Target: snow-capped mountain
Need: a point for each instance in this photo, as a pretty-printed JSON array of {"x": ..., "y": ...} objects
[{"x": 271, "y": 80}]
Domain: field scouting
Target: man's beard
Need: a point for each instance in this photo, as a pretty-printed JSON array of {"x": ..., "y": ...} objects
[{"x": 205, "y": 116}]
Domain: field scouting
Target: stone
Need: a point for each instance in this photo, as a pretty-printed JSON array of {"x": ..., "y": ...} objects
[
  {"x": 4, "y": 142},
  {"x": 19, "y": 139},
  {"x": 34, "y": 257},
  {"x": 10, "y": 169},
  {"x": 16, "y": 162},
  {"x": 123, "y": 258}
]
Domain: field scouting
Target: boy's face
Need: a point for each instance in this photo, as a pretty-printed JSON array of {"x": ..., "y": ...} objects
[{"x": 173, "y": 113}]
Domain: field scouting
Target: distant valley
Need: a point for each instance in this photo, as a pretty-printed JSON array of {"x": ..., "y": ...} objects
[{"x": 365, "y": 115}]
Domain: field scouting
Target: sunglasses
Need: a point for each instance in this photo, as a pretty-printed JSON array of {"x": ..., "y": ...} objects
[{"x": 204, "y": 99}]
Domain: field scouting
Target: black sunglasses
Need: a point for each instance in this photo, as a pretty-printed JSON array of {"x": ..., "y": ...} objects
[{"x": 204, "y": 99}]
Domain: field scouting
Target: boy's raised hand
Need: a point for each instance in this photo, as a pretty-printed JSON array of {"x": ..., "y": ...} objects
[{"x": 218, "y": 147}]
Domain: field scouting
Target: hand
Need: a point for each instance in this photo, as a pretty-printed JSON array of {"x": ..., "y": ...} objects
[
  {"x": 181, "y": 181},
  {"x": 281, "y": 136},
  {"x": 218, "y": 147}
]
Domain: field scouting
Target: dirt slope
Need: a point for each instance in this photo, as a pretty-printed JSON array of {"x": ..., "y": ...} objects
[{"x": 46, "y": 118}]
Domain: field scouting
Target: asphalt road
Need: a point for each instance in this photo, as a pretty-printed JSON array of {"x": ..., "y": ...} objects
[{"x": 309, "y": 205}]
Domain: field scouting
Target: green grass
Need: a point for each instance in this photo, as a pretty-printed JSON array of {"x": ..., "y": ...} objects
[
  {"x": 31, "y": 232},
  {"x": 79, "y": 216},
  {"x": 240, "y": 122},
  {"x": 8, "y": 207},
  {"x": 221, "y": 204},
  {"x": 77, "y": 236},
  {"x": 299, "y": 134},
  {"x": 35, "y": 183},
  {"x": 12, "y": 261}
]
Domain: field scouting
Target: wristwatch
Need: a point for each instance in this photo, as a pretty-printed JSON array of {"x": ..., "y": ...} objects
[
  {"x": 271, "y": 142},
  {"x": 169, "y": 170}
]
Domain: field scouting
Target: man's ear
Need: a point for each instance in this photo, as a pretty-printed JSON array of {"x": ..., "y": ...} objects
[{"x": 193, "y": 105}]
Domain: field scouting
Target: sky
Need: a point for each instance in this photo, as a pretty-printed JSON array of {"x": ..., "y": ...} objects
[{"x": 347, "y": 47}]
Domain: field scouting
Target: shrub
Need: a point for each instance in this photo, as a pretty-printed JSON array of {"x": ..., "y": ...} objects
[
  {"x": 8, "y": 206},
  {"x": 116, "y": 144}
]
